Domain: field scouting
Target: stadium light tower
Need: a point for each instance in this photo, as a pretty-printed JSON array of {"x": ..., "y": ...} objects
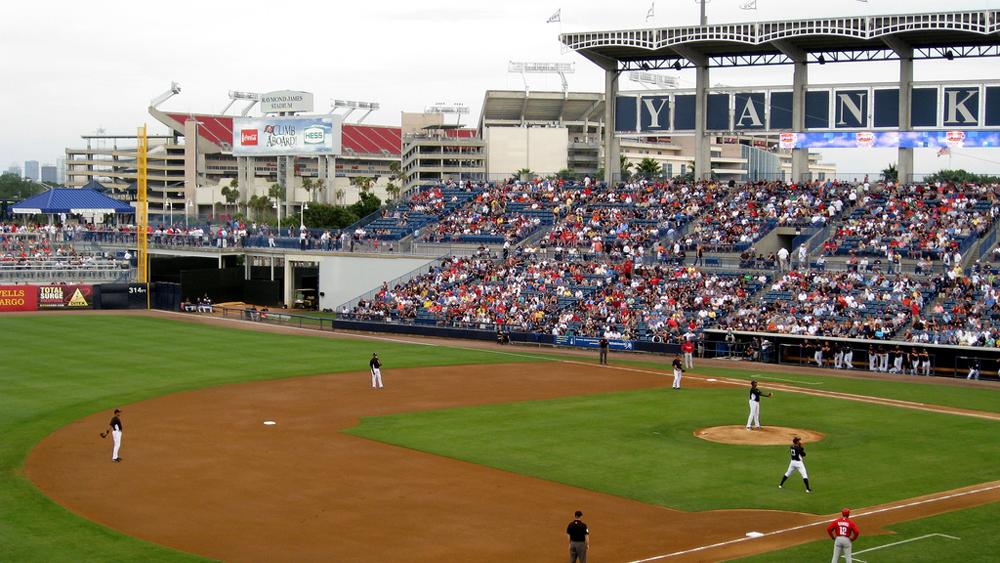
[
  {"x": 235, "y": 95},
  {"x": 175, "y": 89},
  {"x": 353, "y": 105},
  {"x": 562, "y": 69},
  {"x": 458, "y": 109},
  {"x": 652, "y": 81}
]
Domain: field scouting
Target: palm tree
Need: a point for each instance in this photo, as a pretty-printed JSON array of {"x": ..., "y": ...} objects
[
  {"x": 626, "y": 168},
  {"x": 231, "y": 193},
  {"x": 339, "y": 195},
  {"x": 890, "y": 174},
  {"x": 364, "y": 183},
  {"x": 393, "y": 190},
  {"x": 648, "y": 168},
  {"x": 259, "y": 204},
  {"x": 523, "y": 174},
  {"x": 276, "y": 192}
]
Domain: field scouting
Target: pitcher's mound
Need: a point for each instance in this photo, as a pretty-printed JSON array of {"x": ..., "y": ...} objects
[{"x": 766, "y": 436}]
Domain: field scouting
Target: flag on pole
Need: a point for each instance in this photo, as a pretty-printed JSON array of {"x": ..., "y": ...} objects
[
  {"x": 944, "y": 151},
  {"x": 649, "y": 14},
  {"x": 556, "y": 17}
]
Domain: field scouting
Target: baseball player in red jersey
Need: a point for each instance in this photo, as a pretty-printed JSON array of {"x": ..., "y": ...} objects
[
  {"x": 843, "y": 532},
  {"x": 688, "y": 348}
]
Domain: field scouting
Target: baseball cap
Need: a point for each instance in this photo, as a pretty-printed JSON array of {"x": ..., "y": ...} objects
[
  {"x": 845, "y": 512},
  {"x": 117, "y": 411}
]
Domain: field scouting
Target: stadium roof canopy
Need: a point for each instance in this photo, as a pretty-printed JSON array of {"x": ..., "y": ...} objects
[
  {"x": 71, "y": 200},
  {"x": 946, "y": 35},
  {"x": 509, "y": 107}
]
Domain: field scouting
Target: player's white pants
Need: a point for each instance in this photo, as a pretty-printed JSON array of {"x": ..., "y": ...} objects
[
  {"x": 818, "y": 357},
  {"x": 797, "y": 466},
  {"x": 376, "y": 378},
  {"x": 838, "y": 360},
  {"x": 754, "y": 418},
  {"x": 897, "y": 365},
  {"x": 927, "y": 367},
  {"x": 116, "y": 435},
  {"x": 677, "y": 378},
  {"x": 883, "y": 362},
  {"x": 872, "y": 362},
  {"x": 841, "y": 545},
  {"x": 688, "y": 360},
  {"x": 849, "y": 360}
]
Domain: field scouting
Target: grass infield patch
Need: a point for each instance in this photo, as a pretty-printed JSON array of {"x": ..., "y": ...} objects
[{"x": 639, "y": 444}]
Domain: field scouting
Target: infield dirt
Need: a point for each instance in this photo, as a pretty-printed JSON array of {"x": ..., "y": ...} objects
[{"x": 201, "y": 473}]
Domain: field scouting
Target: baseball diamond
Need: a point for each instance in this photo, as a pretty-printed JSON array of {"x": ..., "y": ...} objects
[{"x": 310, "y": 486}]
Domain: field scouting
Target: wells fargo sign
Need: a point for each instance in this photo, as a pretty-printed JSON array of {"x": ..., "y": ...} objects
[{"x": 18, "y": 298}]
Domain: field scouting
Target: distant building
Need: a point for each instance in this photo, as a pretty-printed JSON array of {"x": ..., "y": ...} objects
[
  {"x": 50, "y": 173},
  {"x": 60, "y": 171},
  {"x": 15, "y": 170},
  {"x": 31, "y": 170}
]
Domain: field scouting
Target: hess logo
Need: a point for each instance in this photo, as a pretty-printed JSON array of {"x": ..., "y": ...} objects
[
  {"x": 314, "y": 135},
  {"x": 248, "y": 137}
]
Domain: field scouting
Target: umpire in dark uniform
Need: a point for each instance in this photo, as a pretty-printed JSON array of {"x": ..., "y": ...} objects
[
  {"x": 579, "y": 539},
  {"x": 603, "y": 344}
]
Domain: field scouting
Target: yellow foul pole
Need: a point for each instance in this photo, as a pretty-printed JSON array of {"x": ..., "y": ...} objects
[{"x": 142, "y": 211}]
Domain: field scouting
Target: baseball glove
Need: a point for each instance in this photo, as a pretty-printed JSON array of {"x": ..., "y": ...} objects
[{"x": 104, "y": 434}]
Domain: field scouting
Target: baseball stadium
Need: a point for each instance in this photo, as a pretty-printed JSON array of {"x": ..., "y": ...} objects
[{"x": 636, "y": 325}]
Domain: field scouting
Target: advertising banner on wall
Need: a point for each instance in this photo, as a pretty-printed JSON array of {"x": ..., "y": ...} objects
[
  {"x": 18, "y": 298},
  {"x": 286, "y": 136},
  {"x": 65, "y": 296},
  {"x": 592, "y": 342},
  {"x": 890, "y": 139}
]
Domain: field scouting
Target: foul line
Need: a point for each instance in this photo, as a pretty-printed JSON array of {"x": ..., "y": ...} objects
[
  {"x": 769, "y": 378},
  {"x": 905, "y": 541},
  {"x": 819, "y": 523}
]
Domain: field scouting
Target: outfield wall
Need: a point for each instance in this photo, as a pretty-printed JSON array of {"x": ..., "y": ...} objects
[{"x": 946, "y": 361}]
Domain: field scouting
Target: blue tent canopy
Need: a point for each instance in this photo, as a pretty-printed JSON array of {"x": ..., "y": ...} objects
[{"x": 69, "y": 200}]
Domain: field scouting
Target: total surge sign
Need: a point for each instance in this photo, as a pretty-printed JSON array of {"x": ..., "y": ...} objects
[{"x": 286, "y": 136}]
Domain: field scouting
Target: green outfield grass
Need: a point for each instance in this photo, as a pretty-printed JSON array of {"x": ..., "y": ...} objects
[
  {"x": 57, "y": 368},
  {"x": 640, "y": 445},
  {"x": 976, "y": 528}
]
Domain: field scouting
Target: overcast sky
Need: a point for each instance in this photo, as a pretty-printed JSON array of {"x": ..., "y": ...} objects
[{"x": 71, "y": 67}]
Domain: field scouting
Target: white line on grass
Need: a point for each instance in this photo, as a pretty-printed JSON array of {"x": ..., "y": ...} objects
[
  {"x": 905, "y": 541},
  {"x": 819, "y": 523},
  {"x": 769, "y": 378}
]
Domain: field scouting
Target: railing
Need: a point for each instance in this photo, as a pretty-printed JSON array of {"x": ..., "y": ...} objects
[{"x": 53, "y": 275}]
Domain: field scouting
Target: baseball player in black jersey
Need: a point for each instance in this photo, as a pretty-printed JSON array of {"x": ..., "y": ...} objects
[
  {"x": 678, "y": 371},
  {"x": 376, "y": 367},
  {"x": 115, "y": 429},
  {"x": 797, "y": 463},
  {"x": 753, "y": 421}
]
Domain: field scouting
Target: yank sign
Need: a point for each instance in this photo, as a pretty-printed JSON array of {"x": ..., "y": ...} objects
[
  {"x": 286, "y": 101},
  {"x": 934, "y": 105}
]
